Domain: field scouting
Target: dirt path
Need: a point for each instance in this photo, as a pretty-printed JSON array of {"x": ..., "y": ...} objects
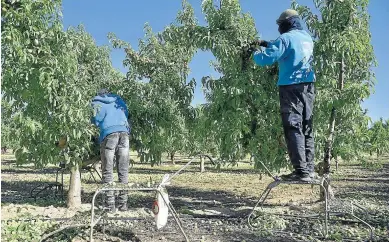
[{"x": 213, "y": 205}]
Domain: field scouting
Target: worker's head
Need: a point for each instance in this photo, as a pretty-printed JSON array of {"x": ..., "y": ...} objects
[{"x": 288, "y": 20}]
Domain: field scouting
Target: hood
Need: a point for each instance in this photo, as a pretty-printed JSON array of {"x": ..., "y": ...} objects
[
  {"x": 106, "y": 98},
  {"x": 290, "y": 24}
]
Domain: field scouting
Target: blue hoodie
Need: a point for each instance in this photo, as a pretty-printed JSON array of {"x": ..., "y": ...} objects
[
  {"x": 111, "y": 115},
  {"x": 293, "y": 51}
]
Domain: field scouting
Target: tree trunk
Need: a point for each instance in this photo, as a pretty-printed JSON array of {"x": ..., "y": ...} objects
[
  {"x": 378, "y": 153},
  {"x": 328, "y": 146},
  {"x": 336, "y": 162},
  {"x": 172, "y": 157},
  {"x": 74, "y": 194},
  {"x": 202, "y": 167},
  {"x": 327, "y": 157}
]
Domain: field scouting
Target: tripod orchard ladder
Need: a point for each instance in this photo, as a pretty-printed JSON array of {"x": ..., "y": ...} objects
[
  {"x": 277, "y": 181},
  {"x": 158, "y": 190}
]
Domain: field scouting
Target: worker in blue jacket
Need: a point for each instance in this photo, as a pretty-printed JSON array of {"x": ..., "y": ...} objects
[
  {"x": 293, "y": 51},
  {"x": 111, "y": 117}
]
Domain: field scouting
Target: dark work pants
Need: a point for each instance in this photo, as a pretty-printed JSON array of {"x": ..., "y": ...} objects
[
  {"x": 296, "y": 103},
  {"x": 115, "y": 145}
]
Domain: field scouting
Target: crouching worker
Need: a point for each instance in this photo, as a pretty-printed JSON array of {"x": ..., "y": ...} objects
[
  {"x": 111, "y": 117},
  {"x": 293, "y": 51}
]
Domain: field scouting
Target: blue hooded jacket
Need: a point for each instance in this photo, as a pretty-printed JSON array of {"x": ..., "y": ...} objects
[
  {"x": 293, "y": 51},
  {"x": 111, "y": 115}
]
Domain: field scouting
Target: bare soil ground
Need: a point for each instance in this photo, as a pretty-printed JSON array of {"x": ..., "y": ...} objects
[{"x": 212, "y": 205}]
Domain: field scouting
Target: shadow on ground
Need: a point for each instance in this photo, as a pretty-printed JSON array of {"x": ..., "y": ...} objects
[
  {"x": 26, "y": 170},
  {"x": 367, "y": 192},
  {"x": 19, "y": 192},
  {"x": 184, "y": 198}
]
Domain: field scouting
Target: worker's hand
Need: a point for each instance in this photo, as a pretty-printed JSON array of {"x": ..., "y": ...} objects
[{"x": 262, "y": 43}]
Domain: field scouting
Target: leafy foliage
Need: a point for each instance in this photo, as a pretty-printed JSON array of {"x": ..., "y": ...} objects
[
  {"x": 14, "y": 231},
  {"x": 242, "y": 105},
  {"x": 8, "y": 128},
  {"x": 201, "y": 140},
  {"x": 49, "y": 76},
  {"x": 157, "y": 94},
  {"x": 378, "y": 138}
]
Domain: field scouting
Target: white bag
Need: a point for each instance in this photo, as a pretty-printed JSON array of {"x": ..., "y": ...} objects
[{"x": 160, "y": 208}]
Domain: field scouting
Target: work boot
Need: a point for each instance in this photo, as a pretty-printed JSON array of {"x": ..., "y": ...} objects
[
  {"x": 294, "y": 176},
  {"x": 109, "y": 202},
  {"x": 122, "y": 201}
]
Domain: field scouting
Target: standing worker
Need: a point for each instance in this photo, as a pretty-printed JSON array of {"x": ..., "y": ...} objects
[
  {"x": 293, "y": 51},
  {"x": 111, "y": 116}
]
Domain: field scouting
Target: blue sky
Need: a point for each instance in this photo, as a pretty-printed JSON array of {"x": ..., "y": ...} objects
[{"x": 126, "y": 18}]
